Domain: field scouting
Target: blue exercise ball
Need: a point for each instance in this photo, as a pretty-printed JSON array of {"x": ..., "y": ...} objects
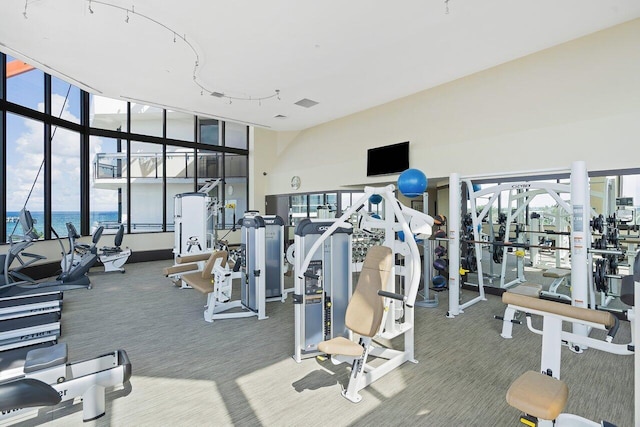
[
  {"x": 374, "y": 199},
  {"x": 376, "y": 216},
  {"x": 412, "y": 183},
  {"x": 476, "y": 187},
  {"x": 401, "y": 235},
  {"x": 439, "y": 281}
]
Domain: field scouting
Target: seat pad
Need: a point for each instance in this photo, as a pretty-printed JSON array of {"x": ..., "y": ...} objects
[
  {"x": 341, "y": 346},
  {"x": 528, "y": 289},
  {"x": 539, "y": 395},
  {"x": 557, "y": 273}
]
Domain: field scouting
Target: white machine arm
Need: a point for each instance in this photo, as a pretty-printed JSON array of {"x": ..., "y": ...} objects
[{"x": 408, "y": 220}]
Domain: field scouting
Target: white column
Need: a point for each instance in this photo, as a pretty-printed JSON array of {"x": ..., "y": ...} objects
[
  {"x": 579, "y": 239},
  {"x": 454, "y": 245}
]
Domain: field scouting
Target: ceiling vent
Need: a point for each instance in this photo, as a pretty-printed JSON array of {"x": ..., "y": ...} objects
[
  {"x": 306, "y": 103},
  {"x": 217, "y": 94},
  {"x": 279, "y": 116}
]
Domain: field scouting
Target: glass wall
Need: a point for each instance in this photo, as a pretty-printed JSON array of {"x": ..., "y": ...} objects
[
  {"x": 65, "y": 180},
  {"x": 24, "y": 172},
  {"x": 108, "y": 194},
  {"x": 138, "y": 157},
  {"x": 25, "y": 84}
]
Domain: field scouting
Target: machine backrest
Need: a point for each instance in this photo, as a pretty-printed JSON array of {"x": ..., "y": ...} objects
[
  {"x": 366, "y": 308},
  {"x": 26, "y": 222},
  {"x": 119, "y": 236},
  {"x": 207, "y": 271},
  {"x": 72, "y": 231},
  {"x": 97, "y": 234}
]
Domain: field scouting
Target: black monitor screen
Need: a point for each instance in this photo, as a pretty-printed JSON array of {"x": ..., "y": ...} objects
[{"x": 388, "y": 159}]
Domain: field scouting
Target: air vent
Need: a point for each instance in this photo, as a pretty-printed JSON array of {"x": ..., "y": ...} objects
[
  {"x": 306, "y": 103},
  {"x": 279, "y": 116},
  {"x": 217, "y": 94}
]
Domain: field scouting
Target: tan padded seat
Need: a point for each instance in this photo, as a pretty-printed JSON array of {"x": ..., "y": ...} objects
[
  {"x": 366, "y": 308},
  {"x": 179, "y": 269},
  {"x": 528, "y": 289},
  {"x": 601, "y": 317},
  {"x": 193, "y": 258},
  {"x": 557, "y": 273},
  {"x": 341, "y": 345},
  {"x": 538, "y": 395},
  {"x": 203, "y": 280}
]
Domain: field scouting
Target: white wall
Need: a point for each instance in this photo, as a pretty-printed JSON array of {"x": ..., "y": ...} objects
[{"x": 576, "y": 101}]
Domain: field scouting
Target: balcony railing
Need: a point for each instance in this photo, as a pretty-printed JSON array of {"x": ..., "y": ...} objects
[{"x": 150, "y": 165}]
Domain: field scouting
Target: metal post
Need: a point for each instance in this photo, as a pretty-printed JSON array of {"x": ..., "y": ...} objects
[
  {"x": 579, "y": 240},
  {"x": 454, "y": 245}
]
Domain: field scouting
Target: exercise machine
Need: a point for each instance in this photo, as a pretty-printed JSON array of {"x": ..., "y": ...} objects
[
  {"x": 113, "y": 258},
  {"x": 194, "y": 218},
  {"x": 274, "y": 258},
  {"x": 252, "y": 260},
  {"x": 46, "y": 379},
  {"x": 388, "y": 312},
  {"x": 322, "y": 293},
  {"x": 580, "y": 238},
  {"x": 542, "y": 395}
]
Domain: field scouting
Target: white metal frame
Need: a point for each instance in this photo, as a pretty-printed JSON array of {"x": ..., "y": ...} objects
[
  {"x": 580, "y": 233},
  {"x": 397, "y": 218}
]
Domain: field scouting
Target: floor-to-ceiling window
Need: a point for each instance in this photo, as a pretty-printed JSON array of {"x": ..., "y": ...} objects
[{"x": 55, "y": 138}]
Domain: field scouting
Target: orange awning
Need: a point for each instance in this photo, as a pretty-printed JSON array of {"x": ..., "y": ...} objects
[{"x": 17, "y": 67}]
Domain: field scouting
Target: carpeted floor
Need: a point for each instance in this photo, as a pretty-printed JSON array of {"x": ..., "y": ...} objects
[{"x": 187, "y": 372}]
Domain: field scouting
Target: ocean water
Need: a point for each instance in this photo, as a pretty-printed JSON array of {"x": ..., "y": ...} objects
[{"x": 58, "y": 220}]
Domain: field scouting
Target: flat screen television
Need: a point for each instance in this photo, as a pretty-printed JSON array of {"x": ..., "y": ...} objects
[{"x": 389, "y": 159}]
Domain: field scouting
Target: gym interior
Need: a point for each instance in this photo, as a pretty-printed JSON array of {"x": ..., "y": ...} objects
[{"x": 287, "y": 216}]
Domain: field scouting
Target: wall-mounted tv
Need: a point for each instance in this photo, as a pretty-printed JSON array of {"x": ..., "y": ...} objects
[{"x": 388, "y": 159}]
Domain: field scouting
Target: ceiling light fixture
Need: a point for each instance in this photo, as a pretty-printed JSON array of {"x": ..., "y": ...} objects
[{"x": 176, "y": 35}]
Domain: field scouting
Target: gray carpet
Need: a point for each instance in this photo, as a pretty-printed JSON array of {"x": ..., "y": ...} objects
[{"x": 187, "y": 372}]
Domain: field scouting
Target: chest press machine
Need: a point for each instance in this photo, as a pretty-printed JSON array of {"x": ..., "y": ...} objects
[{"x": 375, "y": 309}]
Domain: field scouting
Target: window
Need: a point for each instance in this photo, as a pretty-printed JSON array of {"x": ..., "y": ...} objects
[
  {"x": 180, "y": 177},
  {"x": 235, "y": 188},
  {"x": 65, "y": 179},
  {"x": 133, "y": 171},
  {"x": 146, "y": 120},
  {"x": 107, "y": 113},
  {"x": 235, "y": 135},
  {"x": 145, "y": 169},
  {"x": 108, "y": 189},
  {"x": 25, "y": 84},
  {"x": 25, "y": 171},
  {"x": 180, "y": 126},
  {"x": 65, "y": 100},
  {"x": 208, "y": 131}
]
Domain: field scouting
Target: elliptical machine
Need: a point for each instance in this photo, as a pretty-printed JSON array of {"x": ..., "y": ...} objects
[{"x": 73, "y": 275}]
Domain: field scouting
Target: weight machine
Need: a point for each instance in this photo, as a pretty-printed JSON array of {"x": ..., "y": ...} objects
[
  {"x": 580, "y": 237},
  {"x": 322, "y": 293},
  {"x": 397, "y": 308},
  {"x": 194, "y": 218}
]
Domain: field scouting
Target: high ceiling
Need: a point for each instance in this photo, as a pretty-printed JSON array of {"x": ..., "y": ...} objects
[{"x": 347, "y": 56}]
